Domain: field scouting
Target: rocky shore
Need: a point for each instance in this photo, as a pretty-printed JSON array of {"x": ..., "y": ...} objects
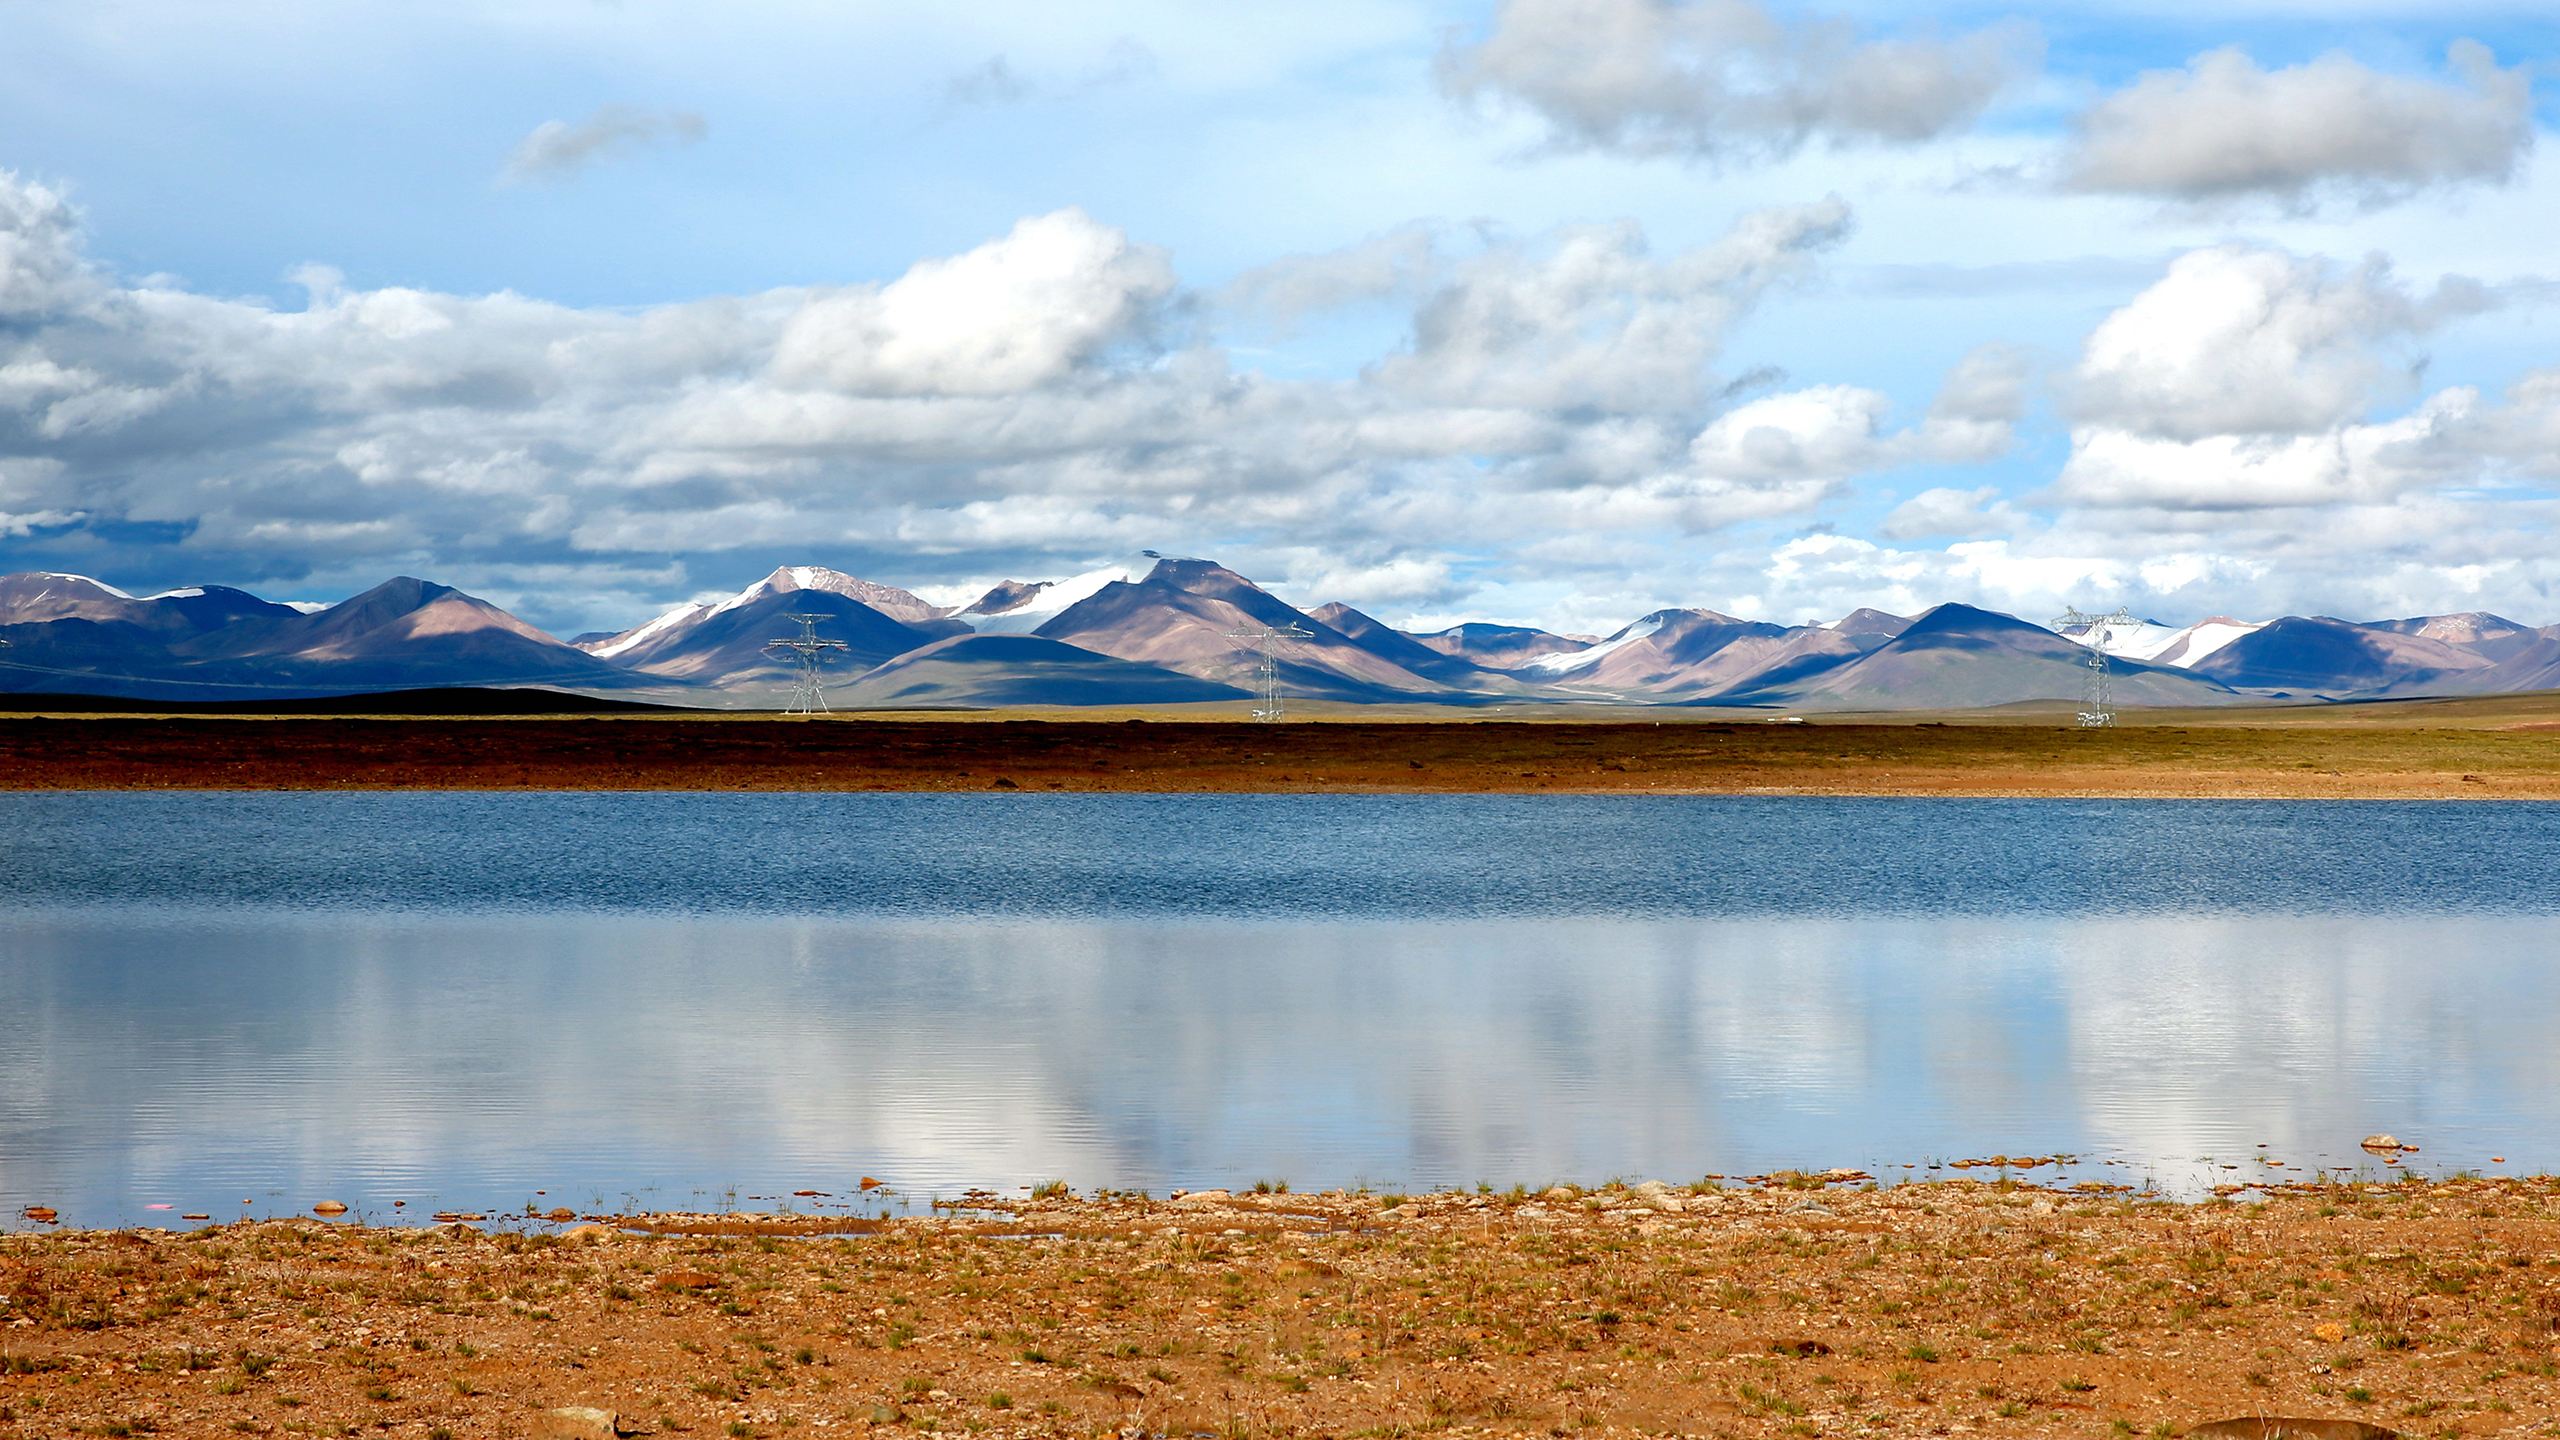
[{"x": 1803, "y": 1305}]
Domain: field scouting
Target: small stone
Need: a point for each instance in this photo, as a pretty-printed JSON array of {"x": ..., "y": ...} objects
[
  {"x": 560, "y": 1215},
  {"x": 1655, "y": 1195},
  {"x": 2387, "y": 1143},
  {"x": 578, "y": 1422},
  {"x": 870, "y": 1184},
  {"x": 41, "y": 1214},
  {"x": 2330, "y": 1333},
  {"x": 2287, "y": 1428},
  {"x": 329, "y": 1207},
  {"x": 687, "y": 1280},
  {"x": 590, "y": 1232}
]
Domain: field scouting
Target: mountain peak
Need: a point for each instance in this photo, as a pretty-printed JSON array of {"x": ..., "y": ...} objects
[
  {"x": 1955, "y": 616},
  {"x": 889, "y": 600}
]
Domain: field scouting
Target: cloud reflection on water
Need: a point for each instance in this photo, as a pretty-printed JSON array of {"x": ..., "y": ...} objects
[{"x": 203, "y": 1057}]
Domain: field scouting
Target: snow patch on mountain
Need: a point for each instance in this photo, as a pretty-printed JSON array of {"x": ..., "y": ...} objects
[
  {"x": 1575, "y": 660},
  {"x": 2179, "y": 647},
  {"x": 84, "y": 580},
  {"x": 1046, "y": 601},
  {"x": 630, "y": 640}
]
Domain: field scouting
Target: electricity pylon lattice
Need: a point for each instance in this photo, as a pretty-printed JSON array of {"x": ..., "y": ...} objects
[
  {"x": 1266, "y": 671},
  {"x": 808, "y": 689},
  {"x": 2097, "y": 699}
]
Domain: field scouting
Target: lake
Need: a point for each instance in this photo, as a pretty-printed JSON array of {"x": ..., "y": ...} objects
[{"x": 243, "y": 1003}]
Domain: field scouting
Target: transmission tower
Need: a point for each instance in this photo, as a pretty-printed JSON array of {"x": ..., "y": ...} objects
[
  {"x": 808, "y": 692},
  {"x": 2097, "y": 701},
  {"x": 1272, "y": 710}
]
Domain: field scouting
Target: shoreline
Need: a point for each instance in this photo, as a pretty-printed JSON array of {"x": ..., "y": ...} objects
[
  {"x": 2499, "y": 752},
  {"x": 1982, "y": 1306}
]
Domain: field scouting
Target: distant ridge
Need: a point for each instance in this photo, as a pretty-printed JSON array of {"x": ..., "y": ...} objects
[{"x": 1180, "y": 631}]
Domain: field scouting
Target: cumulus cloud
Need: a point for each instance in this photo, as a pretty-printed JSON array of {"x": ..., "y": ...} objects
[
  {"x": 1010, "y": 315},
  {"x": 2254, "y": 341},
  {"x": 1944, "y": 510},
  {"x": 2344, "y": 462},
  {"x": 2225, "y": 129},
  {"x": 1830, "y": 434},
  {"x": 558, "y": 149},
  {"x": 1591, "y": 318},
  {"x": 1052, "y": 392},
  {"x": 1724, "y": 79},
  {"x": 1399, "y": 263},
  {"x": 40, "y": 265}
]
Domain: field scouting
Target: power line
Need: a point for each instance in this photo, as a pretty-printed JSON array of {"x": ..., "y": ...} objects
[
  {"x": 1273, "y": 708},
  {"x": 2097, "y": 698},
  {"x": 808, "y": 690}
]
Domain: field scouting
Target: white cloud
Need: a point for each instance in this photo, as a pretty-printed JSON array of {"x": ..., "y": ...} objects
[
  {"x": 2225, "y": 129},
  {"x": 1053, "y": 391},
  {"x": 1830, "y": 433},
  {"x": 1943, "y": 510},
  {"x": 1012, "y": 314},
  {"x": 2245, "y": 340},
  {"x": 558, "y": 149},
  {"x": 40, "y": 265},
  {"x": 1592, "y": 319},
  {"x": 1724, "y": 79},
  {"x": 2347, "y": 462}
]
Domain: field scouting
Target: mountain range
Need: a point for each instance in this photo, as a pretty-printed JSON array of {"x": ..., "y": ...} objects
[{"x": 1189, "y": 631}]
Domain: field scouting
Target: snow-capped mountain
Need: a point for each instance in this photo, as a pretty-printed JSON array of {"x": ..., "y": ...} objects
[
  {"x": 729, "y": 642},
  {"x": 1185, "y": 631}
]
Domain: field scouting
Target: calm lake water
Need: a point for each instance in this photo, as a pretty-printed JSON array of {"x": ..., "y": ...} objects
[{"x": 246, "y": 1003}]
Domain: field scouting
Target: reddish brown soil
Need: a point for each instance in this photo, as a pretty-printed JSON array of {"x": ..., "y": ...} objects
[
  {"x": 1935, "y": 1309},
  {"x": 2206, "y": 759}
]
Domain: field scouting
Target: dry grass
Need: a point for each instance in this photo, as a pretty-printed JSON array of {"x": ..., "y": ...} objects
[{"x": 2487, "y": 749}]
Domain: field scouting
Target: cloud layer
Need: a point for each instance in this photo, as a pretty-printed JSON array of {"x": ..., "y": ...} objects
[
  {"x": 1055, "y": 390},
  {"x": 1559, "y": 314},
  {"x": 2223, "y": 129},
  {"x": 1724, "y": 79}
]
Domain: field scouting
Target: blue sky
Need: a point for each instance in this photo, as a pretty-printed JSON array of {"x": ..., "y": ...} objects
[{"x": 1449, "y": 310}]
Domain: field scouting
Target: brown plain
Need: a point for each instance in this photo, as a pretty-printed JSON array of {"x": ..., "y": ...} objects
[
  {"x": 2505, "y": 747},
  {"x": 1986, "y": 1308}
]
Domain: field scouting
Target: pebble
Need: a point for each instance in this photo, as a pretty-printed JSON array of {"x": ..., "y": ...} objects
[
  {"x": 2290, "y": 1428},
  {"x": 578, "y": 1422},
  {"x": 329, "y": 1207},
  {"x": 1655, "y": 1195}
]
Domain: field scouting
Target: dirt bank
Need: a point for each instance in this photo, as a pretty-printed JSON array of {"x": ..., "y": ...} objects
[{"x": 1793, "y": 1309}]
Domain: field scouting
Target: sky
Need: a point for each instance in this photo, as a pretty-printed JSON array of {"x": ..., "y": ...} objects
[{"x": 1550, "y": 312}]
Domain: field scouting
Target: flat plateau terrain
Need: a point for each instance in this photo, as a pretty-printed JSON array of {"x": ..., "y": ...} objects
[
  {"x": 2430, "y": 1307},
  {"x": 2508, "y": 747}
]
